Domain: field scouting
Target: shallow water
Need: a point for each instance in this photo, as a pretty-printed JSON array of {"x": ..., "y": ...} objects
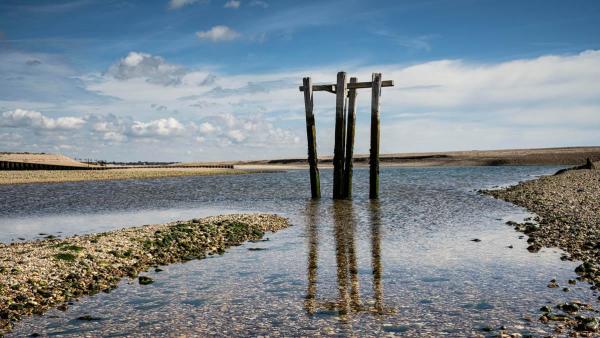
[{"x": 405, "y": 265}]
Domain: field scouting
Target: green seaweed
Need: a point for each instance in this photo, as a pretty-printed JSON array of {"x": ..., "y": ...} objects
[{"x": 65, "y": 256}]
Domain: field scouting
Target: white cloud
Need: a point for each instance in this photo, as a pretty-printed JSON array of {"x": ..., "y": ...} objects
[
  {"x": 218, "y": 33},
  {"x": 259, "y": 3},
  {"x": 235, "y": 4},
  {"x": 157, "y": 128},
  {"x": 114, "y": 137},
  {"x": 152, "y": 68},
  {"x": 236, "y": 135},
  {"x": 20, "y": 118},
  {"x": 176, "y": 4},
  {"x": 207, "y": 128}
]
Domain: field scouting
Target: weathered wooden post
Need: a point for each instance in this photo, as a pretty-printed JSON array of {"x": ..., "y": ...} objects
[
  {"x": 311, "y": 136},
  {"x": 347, "y": 191},
  {"x": 374, "y": 155},
  {"x": 338, "y": 155},
  {"x": 344, "y": 139}
]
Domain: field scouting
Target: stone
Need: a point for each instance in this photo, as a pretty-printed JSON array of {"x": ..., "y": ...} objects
[{"x": 145, "y": 280}]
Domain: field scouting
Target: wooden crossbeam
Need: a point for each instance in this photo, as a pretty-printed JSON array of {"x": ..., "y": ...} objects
[{"x": 331, "y": 87}]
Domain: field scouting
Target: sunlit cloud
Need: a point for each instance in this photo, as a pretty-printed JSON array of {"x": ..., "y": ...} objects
[{"x": 218, "y": 33}]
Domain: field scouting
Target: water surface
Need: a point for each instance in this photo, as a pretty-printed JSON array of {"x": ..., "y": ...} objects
[{"x": 404, "y": 265}]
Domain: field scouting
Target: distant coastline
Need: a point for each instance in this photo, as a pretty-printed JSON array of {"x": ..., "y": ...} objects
[
  {"x": 80, "y": 171},
  {"x": 541, "y": 156}
]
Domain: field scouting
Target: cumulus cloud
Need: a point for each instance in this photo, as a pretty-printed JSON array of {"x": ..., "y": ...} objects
[
  {"x": 152, "y": 68},
  {"x": 218, "y": 33},
  {"x": 114, "y": 137},
  {"x": 20, "y": 118},
  {"x": 254, "y": 132},
  {"x": 157, "y": 128},
  {"x": 207, "y": 128},
  {"x": 235, "y": 4},
  {"x": 259, "y": 3},
  {"x": 252, "y": 87},
  {"x": 176, "y": 4},
  {"x": 236, "y": 135}
]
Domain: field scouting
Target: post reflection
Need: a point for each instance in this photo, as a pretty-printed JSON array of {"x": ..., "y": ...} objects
[
  {"x": 348, "y": 298},
  {"x": 375, "y": 216},
  {"x": 313, "y": 243}
]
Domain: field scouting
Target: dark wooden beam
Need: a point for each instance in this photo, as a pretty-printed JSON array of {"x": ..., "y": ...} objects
[{"x": 332, "y": 87}]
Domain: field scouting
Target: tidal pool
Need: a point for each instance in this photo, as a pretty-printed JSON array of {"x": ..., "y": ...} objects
[{"x": 404, "y": 265}]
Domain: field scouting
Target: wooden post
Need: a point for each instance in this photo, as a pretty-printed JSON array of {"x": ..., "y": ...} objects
[
  {"x": 338, "y": 156},
  {"x": 374, "y": 156},
  {"x": 311, "y": 136},
  {"x": 350, "y": 140}
]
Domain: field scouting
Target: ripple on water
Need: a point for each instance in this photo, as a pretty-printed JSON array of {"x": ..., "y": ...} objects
[{"x": 405, "y": 265}]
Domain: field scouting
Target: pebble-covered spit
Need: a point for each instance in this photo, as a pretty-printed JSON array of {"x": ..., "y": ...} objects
[
  {"x": 568, "y": 217},
  {"x": 60, "y": 176},
  {"x": 38, "y": 275}
]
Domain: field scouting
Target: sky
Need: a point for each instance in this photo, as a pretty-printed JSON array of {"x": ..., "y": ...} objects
[{"x": 208, "y": 80}]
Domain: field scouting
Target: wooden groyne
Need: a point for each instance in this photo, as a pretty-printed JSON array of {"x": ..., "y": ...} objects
[{"x": 9, "y": 165}]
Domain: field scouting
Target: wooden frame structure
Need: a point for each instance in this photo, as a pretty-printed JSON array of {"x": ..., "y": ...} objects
[{"x": 345, "y": 120}]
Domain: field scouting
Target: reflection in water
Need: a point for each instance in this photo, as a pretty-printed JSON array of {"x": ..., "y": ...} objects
[
  {"x": 311, "y": 223},
  {"x": 348, "y": 282},
  {"x": 375, "y": 214}
]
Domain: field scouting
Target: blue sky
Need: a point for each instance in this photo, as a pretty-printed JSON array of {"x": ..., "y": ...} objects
[{"x": 217, "y": 79}]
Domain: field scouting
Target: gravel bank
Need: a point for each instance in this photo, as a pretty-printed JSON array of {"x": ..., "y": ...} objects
[
  {"x": 568, "y": 217},
  {"x": 57, "y": 176},
  {"x": 38, "y": 275}
]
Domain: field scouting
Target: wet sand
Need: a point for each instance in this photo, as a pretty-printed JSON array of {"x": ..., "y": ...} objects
[{"x": 36, "y": 276}]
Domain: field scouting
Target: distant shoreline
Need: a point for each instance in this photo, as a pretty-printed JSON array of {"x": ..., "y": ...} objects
[
  {"x": 542, "y": 156},
  {"x": 566, "y": 156}
]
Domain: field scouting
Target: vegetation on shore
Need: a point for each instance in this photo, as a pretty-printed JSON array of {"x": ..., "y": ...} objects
[
  {"x": 567, "y": 206},
  {"x": 38, "y": 275}
]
